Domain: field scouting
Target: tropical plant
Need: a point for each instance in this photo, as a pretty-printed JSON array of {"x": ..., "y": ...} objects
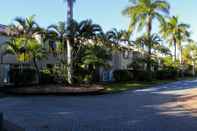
[
  {"x": 36, "y": 53},
  {"x": 78, "y": 33},
  {"x": 69, "y": 46},
  {"x": 173, "y": 32},
  {"x": 26, "y": 27},
  {"x": 15, "y": 46},
  {"x": 155, "y": 42},
  {"x": 91, "y": 58},
  {"x": 143, "y": 12},
  {"x": 57, "y": 33},
  {"x": 190, "y": 55}
]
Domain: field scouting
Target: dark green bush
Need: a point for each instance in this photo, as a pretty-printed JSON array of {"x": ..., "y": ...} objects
[
  {"x": 167, "y": 73},
  {"x": 187, "y": 72},
  {"x": 46, "y": 77},
  {"x": 123, "y": 75},
  {"x": 143, "y": 75},
  {"x": 22, "y": 77}
]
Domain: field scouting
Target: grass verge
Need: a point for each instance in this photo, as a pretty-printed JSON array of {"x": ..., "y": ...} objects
[{"x": 133, "y": 85}]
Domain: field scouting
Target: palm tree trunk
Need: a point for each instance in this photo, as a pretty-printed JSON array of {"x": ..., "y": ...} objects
[
  {"x": 37, "y": 69},
  {"x": 69, "y": 46},
  {"x": 149, "y": 29},
  {"x": 174, "y": 50},
  {"x": 193, "y": 68},
  {"x": 180, "y": 56},
  {"x": 181, "y": 61},
  {"x": 69, "y": 61}
]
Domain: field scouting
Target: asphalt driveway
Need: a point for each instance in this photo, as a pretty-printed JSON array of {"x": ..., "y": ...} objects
[{"x": 141, "y": 110}]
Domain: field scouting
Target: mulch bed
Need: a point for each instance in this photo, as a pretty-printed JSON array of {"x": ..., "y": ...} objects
[{"x": 54, "y": 89}]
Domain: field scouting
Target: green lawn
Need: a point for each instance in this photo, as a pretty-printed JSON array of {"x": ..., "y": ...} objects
[{"x": 119, "y": 87}]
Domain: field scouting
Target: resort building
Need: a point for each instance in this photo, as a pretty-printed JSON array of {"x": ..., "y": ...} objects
[{"x": 120, "y": 60}]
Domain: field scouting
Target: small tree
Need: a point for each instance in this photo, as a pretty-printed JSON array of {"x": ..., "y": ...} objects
[{"x": 36, "y": 53}]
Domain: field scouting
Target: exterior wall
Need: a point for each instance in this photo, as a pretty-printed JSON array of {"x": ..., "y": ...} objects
[
  {"x": 126, "y": 59},
  {"x": 119, "y": 61}
]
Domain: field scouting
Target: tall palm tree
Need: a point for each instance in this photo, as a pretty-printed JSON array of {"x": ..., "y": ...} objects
[
  {"x": 69, "y": 46},
  {"x": 183, "y": 36},
  {"x": 143, "y": 13},
  {"x": 172, "y": 31}
]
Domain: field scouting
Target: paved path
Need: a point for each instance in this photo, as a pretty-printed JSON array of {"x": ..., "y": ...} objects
[{"x": 141, "y": 110}]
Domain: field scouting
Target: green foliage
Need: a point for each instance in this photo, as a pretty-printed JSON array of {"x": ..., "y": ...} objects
[
  {"x": 143, "y": 75},
  {"x": 22, "y": 77},
  {"x": 167, "y": 73},
  {"x": 168, "y": 62},
  {"x": 143, "y": 12},
  {"x": 175, "y": 33},
  {"x": 46, "y": 77},
  {"x": 60, "y": 73},
  {"x": 90, "y": 58},
  {"x": 138, "y": 64},
  {"x": 190, "y": 53},
  {"x": 123, "y": 75}
]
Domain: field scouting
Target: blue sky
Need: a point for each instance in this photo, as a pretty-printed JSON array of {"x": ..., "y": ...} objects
[{"x": 107, "y": 13}]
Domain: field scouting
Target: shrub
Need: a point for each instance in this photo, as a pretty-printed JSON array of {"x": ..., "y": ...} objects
[
  {"x": 167, "y": 73},
  {"x": 122, "y": 75},
  {"x": 22, "y": 77},
  {"x": 46, "y": 77},
  {"x": 143, "y": 75}
]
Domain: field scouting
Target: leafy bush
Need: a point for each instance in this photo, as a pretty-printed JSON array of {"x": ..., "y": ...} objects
[
  {"x": 123, "y": 75},
  {"x": 46, "y": 77},
  {"x": 60, "y": 73},
  {"x": 129, "y": 75},
  {"x": 167, "y": 73},
  {"x": 187, "y": 72},
  {"x": 143, "y": 75},
  {"x": 22, "y": 77}
]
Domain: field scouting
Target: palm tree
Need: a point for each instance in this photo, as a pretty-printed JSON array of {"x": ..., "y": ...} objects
[
  {"x": 93, "y": 57},
  {"x": 57, "y": 32},
  {"x": 36, "y": 53},
  {"x": 116, "y": 36},
  {"x": 69, "y": 46},
  {"x": 183, "y": 36},
  {"x": 26, "y": 29},
  {"x": 172, "y": 31},
  {"x": 14, "y": 46},
  {"x": 83, "y": 33},
  {"x": 143, "y": 13},
  {"x": 190, "y": 55},
  {"x": 78, "y": 33}
]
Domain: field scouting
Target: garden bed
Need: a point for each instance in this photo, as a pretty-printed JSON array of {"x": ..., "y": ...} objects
[{"x": 54, "y": 89}]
